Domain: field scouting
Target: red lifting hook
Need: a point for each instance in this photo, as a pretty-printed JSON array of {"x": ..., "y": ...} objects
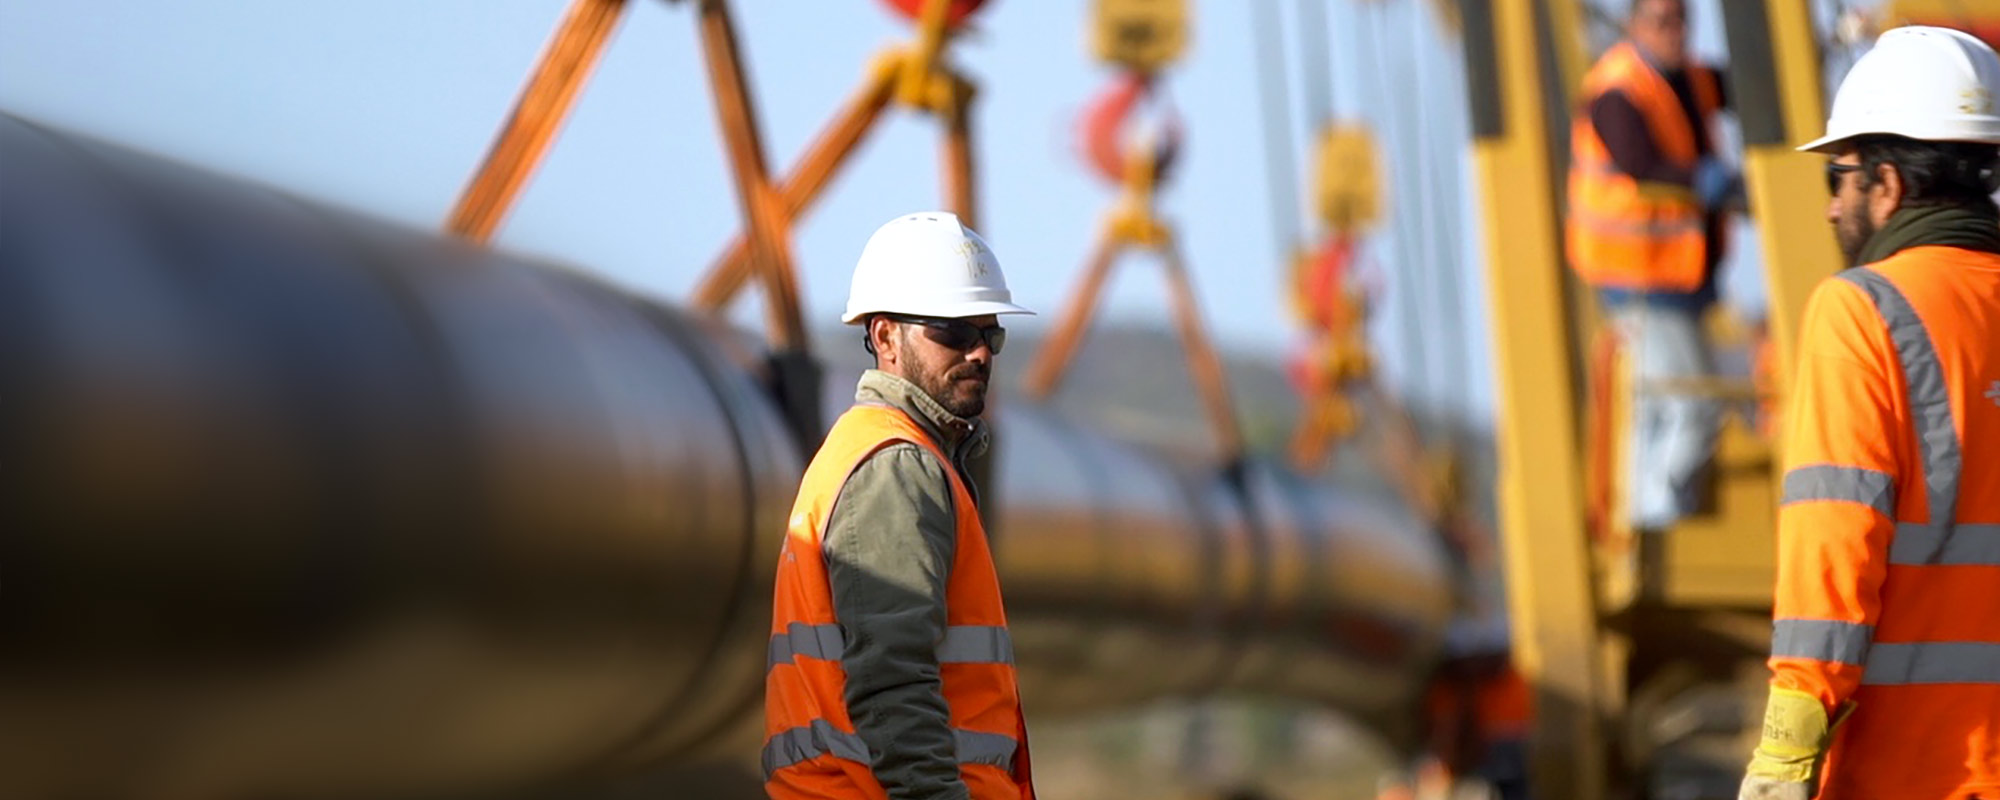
[
  {"x": 1105, "y": 122},
  {"x": 913, "y": 10}
]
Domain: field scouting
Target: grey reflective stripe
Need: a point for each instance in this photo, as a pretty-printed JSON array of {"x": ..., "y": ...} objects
[
  {"x": 1930, "y": 416},
  {"x": 1964, "y": 544},
  {"x": 1619, "y": 227},
  {"x": 962, "y": 644},
  {"x": 976, "y": 644},
  {"x": 1821, "y": 640},
  {"x": 801, "y": 744},
  {"x": 1871, "y": 488},
  {"x": 1607, "y": 168},
  {"x": 800, "y": 639},
  {"x": 1902, "y": 664},
  {"x": 991, "y": 749},
  {"x": 796, "y": 745}
]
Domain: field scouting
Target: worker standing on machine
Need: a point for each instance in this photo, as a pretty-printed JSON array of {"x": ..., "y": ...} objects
[
  {"x": 1646, "y": 228},
  {"x": 1887, "y": 616},
  {"x": 891, "y": 671}
]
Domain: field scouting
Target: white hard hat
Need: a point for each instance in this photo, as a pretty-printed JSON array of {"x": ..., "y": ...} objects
[
  {"x": 1932, "y": 84},
  {"x": 928, "y": 265}
]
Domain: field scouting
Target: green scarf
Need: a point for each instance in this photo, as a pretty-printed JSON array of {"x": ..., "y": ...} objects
[{"x": 1947, "y": 225}]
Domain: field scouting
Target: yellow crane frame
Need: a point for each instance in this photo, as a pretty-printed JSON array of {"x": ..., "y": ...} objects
[{"x": 1572, "y": 603}]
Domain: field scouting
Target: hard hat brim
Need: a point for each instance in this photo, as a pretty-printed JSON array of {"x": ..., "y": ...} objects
[
  {"x": 1824, "y": 144},
  {"x": 1828, "y": 144},
  {"x": 975, "y": 308}
]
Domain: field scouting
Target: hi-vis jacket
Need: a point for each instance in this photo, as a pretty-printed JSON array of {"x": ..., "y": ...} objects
[
  {"x": 1888, "y": 589},
  {"x": 813, "y": 745},
  {"x": 1623, "y": 232}
]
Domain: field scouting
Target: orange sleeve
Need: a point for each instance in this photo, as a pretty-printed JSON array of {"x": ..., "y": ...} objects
[{"x": 1837, "y": 512}]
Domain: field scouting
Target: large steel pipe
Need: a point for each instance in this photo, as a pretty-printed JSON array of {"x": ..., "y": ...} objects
[
  {"x": 297, "y": 504},
  {"x": 1128, "y": 580},
  {"x": 295, "y": 500}
]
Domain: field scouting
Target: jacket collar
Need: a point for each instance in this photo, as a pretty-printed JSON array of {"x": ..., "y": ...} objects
[
  {"x": 1970, "y": 227},
  {"x": 957, "y": 436}
]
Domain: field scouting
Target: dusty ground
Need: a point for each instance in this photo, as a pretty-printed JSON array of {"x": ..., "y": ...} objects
[
  {"x": 1203, "y": 751},
  {"x": 1170, "y": 751}
]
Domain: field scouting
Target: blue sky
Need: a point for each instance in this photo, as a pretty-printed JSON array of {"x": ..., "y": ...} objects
[{"x": 387, "y": 105}]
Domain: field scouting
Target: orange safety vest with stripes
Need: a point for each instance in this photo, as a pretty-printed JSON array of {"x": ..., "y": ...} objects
[
  {"x": 1623, "y": 232},
  {"x": 1888, "y": 591},
  {"x": 811, "y": 749}
]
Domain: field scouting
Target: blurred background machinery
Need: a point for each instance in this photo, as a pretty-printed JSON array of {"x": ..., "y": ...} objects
[{"x": 305, "y": 504}]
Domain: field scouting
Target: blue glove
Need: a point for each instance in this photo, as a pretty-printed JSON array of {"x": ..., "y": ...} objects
[{"x": 1714, "y": 182}]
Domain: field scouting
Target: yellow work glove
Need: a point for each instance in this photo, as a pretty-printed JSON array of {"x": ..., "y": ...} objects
[{"x": 1796, "y": 734}]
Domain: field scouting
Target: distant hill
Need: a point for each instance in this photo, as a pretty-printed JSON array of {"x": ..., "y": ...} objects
[{"x": 1131, "y": 383}]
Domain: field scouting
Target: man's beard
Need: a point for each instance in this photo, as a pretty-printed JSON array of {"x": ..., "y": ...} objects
[
  {"x": 1853, "y": 231},
  {"x": 960, "y": 397}
]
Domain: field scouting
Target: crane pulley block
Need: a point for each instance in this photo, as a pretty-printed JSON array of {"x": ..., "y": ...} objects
[
  {"x": 1140, "y": 35},
  {"x": 1348, "y": 192}
]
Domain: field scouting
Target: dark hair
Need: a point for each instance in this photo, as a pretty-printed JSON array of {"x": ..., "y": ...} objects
[
  {"x": 1632, "y": 11},
  {"x": 1934, "y": 173}
]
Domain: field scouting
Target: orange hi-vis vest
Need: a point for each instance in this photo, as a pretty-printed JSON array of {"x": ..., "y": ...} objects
[
  {"x": 1627, "y": 233},
  {"x": 811, "y": 749},
  {"x": 1888, "y": 590}
]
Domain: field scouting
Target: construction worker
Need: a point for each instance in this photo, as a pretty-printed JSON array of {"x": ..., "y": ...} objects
[
  {"x": 1886, "y": 649},
  {"x": 1647, "y": 198},
  {"x": 891, "y": 671}
]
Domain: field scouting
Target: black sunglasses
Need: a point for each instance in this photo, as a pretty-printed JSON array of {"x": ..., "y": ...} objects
[
  {"x": 1834, "y": 174},
  {"x": 957, "y": 334}
]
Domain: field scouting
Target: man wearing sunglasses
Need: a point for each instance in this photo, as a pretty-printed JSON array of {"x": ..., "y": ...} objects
[
  {"x": 891, "y": 669},
  {"x": 1885, "y": 650}
]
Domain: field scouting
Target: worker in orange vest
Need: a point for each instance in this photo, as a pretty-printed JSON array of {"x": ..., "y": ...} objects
[
  {"x": 1647, "y": 197},
  {"x": 1886, "y": 649},
  {"x": 891, "y": 671}
]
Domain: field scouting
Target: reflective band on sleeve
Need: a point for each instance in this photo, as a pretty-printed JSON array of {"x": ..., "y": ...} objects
[
  {"x": 1964, "y": 544},
  {"x": 1901, "y": 664},
  {"x": 807, "y": 742},
  {"x": 1821, "y": 640},
  {"x": 800, "y": 639},
  {"x": 963, "y": 644},
  {"x": 976, "y": 644},
  {"x": 1658, "y": 229},
  {"x": 991, "y": 749},
  {"x": 797, "y": 745},
  {"x": 1871, "y": 488},
  {"x": 1930, "y": 415},
  {"x": 1609, "y": 169}
]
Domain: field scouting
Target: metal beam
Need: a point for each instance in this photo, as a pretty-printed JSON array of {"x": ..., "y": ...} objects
[
  {"x": 538, "y": 113},
  {"x": 1550, "y": 600},
  {"x": 1777, "y": 86},
  {"x": 763, "y": 209},
  {"x": 809, "y": 178}
]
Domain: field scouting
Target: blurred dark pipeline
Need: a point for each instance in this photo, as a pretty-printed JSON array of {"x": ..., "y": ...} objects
[{"x": 301, "y": 505}]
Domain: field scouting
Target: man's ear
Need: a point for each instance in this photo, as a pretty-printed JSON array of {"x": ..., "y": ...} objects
[
  {"x": 882, "y": 334},
  {"x": 1887, "y": 194}
]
